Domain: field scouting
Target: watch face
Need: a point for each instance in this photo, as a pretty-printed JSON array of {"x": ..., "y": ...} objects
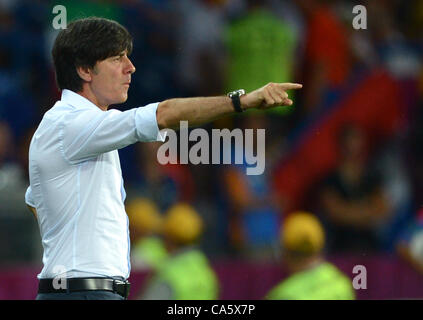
[{"x": 239, "y": 92}]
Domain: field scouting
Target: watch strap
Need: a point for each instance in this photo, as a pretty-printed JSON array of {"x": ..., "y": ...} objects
[{"x": 236, "y": 101}]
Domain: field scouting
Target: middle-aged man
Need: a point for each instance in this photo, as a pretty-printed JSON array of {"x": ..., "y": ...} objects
[{"x": 76, "y": 188}]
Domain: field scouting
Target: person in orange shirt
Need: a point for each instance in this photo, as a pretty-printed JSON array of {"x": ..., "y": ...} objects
[{"x": 327, "y": 55}]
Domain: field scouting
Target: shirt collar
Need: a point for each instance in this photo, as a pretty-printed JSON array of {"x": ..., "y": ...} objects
[{"x": 76, "y": 100}]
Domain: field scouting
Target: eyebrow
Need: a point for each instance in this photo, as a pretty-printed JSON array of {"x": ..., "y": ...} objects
[{"x": 118, "y": 55}]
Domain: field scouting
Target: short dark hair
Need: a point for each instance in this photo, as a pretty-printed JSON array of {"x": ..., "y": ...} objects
[{"x": 82, "y": 44}]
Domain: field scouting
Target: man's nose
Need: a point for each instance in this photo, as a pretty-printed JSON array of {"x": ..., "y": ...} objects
[{"x": 130, "y": 67}]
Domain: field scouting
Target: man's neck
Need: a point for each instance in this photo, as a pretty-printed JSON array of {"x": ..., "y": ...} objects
[{"x": 88, "y": 94}]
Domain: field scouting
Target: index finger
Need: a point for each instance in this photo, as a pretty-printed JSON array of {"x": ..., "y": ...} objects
[{"x": 290, "y": 86}]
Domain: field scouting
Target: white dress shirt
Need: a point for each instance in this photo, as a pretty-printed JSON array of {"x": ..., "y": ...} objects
[{"x": 77, "y": 188}]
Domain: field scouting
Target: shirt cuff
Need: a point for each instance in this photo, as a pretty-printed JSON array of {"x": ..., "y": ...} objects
[
  {"x": 146, "y": 124},
  {"x": 28, "y": 197}
]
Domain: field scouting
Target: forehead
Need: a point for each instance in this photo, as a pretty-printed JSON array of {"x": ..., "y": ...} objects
[
  {"x": 108, "y": 59},
  {"x": 120, "y": 54}
]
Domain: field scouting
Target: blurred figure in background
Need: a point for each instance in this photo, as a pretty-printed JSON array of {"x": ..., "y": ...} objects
[
  {"x": 200, "y": 47},
  {"x": 18, "y": 230},
  {"x": 165, "y": 185},
  {"x": 327, "y": 61},
  {"x": 415, "y": 150},
  {"x": 12, "y": 175},
  {"x": 311, "y": 277},
  {"x": 254, "y": 214},
  {"x": 17, "y": 110},
  {"x": 186, "y": 274},
  {"x": 410, "y": 243},
  {"x": 352, "y": 199},
  {"x": 145, "y": 221},
  {"x": 260, "y": 48}
]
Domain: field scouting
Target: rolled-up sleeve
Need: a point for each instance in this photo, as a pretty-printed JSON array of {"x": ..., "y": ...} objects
[
  {"x": 29, "y": 200},
  {"x": 146, "y": 123},
  {"x": 85, "y": 134}
]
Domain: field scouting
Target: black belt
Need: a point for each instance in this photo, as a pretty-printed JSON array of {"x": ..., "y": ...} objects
[{"x": 84, "y": 284}]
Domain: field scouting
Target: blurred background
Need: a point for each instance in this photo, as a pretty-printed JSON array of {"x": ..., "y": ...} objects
[{"x": 346, "y": 151}]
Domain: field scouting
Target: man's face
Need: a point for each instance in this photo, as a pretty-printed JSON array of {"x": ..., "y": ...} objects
[{"x": 111, "y": 78}]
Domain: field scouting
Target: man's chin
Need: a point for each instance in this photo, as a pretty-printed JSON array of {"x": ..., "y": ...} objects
[
  {"x": 125, "y": 96},
  {"x": 122, "y": 99}
]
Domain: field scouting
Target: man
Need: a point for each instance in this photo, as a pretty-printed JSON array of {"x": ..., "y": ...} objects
[
  {"x": 269, "y": 53},
  {"x": 311, "y": 276},
  {"x": 186, "y": 274},
  {"x": 353, "y": 200},
  {"x": 76, "y": 187}
]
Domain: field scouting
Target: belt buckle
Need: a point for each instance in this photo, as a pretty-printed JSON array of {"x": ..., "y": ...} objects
[{"x": 126, "y": 285}]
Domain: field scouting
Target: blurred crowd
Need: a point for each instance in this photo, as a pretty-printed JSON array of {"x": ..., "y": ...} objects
[{"x": 347, "y": 150}]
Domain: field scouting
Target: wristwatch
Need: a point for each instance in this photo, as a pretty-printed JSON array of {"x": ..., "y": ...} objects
[{"x": 235, "y": 95}]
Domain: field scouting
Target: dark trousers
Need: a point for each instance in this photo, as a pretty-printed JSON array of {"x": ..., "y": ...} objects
[{"x": 80, "y": 295}]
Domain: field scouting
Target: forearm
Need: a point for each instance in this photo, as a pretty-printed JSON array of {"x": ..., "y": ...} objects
[
  {"x": 346, "y": 214},
  {"x": 196, "y": 111},
  {"x": 342, "y": 211}
]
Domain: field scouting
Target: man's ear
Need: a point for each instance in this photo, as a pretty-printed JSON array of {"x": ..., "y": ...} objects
[{"x": 85, "y": 73}]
